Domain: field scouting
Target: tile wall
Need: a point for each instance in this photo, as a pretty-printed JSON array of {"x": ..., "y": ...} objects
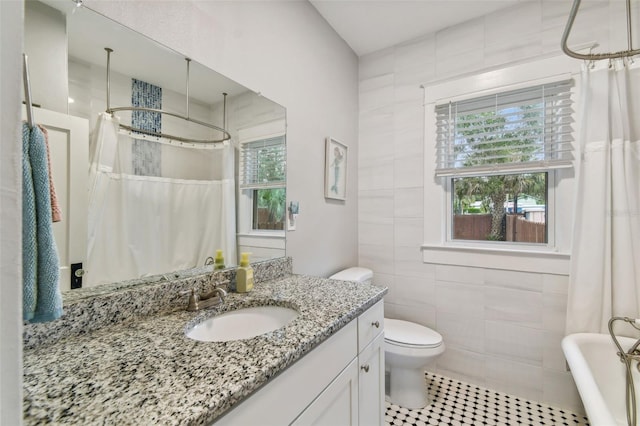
[{"x": 502, "y": 328}]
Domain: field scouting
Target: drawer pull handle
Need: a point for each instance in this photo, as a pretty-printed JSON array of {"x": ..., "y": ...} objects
[
  {"x": 376, "y": 324},
  {"x": 365, "y": 368}
]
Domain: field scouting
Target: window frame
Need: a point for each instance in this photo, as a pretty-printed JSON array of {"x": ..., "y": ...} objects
[
  {"x": 439, "y": 247},
  {"x": 267, "y": 130},
  {"x": 550, "y": 220},
  {"x": 254, "y": 209}
]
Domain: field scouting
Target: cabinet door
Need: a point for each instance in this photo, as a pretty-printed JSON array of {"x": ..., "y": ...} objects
[
  {"x": 337, "y": 404},
  {"x": 288, "y": 394},
  {"x": 371, "y": 383}
]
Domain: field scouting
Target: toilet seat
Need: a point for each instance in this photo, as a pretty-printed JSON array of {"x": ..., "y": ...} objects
[{"x": 410, "y": 335}]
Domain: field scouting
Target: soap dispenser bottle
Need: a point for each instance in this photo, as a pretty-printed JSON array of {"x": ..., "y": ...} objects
[
  {"x": 244, "y": 274},
  {"x": 218, "y": 262}
]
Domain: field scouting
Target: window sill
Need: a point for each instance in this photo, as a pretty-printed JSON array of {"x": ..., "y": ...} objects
[
  {"x": 263, "y": 234},
  {"x": 513, "y": 259}
]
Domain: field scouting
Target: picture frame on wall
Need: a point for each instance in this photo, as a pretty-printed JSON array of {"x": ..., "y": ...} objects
[{"x": 335, "y": 169}]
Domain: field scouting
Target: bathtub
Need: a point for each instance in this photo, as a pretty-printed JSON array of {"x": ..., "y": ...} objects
[{"x": 600, "y": 376}]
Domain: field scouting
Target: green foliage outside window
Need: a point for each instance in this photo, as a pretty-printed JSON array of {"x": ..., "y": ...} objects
[
  {"x": 490, "y": 138},
  {"x": 269, "y": 208}
]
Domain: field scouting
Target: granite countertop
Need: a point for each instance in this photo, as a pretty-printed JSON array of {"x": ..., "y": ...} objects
[{"x": 146, "y": 371}]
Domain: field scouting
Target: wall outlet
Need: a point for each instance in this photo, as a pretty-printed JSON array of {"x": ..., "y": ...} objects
[{"x": 291, "y": 222}]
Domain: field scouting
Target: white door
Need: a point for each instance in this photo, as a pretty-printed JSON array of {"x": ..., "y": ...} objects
[{"x": 69, "y": 153}]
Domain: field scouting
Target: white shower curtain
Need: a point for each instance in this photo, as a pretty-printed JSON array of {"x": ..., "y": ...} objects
[
  {"x": 147, "y": 225},
  {"x": 605, "y": 259}
]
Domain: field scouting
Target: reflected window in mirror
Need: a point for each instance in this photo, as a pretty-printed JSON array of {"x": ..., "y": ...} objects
[
  {"x": 263, "y": 174},
  {"x": 268, "y": 208}
]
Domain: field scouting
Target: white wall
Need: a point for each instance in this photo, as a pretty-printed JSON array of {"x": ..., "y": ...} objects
[
  {"x": 45, "y": 42},
  {"x": 502, "y": 328},
  {"x": 287, "y": 52},
  {"x": 10, "y": 212}
]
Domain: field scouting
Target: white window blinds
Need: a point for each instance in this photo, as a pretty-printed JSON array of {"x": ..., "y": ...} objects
[
  {"x": 263, "y": 164},
  {"x": 528, "y": 129}
]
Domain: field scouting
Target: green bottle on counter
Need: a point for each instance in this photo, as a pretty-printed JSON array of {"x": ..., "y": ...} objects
[
  {"x": 218, "y": 262},
  {"x": 244, "y": 275}
]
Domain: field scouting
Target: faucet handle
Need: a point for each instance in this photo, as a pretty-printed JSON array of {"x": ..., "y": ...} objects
[
  {"x": 193, "y": 299},
  {"x": 224, "y": 283},
  {"x": 222, "y": 293}
]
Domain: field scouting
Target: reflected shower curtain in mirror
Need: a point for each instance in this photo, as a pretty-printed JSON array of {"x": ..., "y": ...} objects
[
  {"x": 605, "y": 258},
  {"x": 146, "y": 225}
]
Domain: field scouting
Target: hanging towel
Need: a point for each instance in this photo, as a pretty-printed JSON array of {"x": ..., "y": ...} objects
[
  {"x": 56, "y": 213},
  {"x": 42, "y": 300},
  {"x": 29, "y": 244}
]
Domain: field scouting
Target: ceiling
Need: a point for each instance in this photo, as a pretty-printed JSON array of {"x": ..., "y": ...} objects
[{"x": 371, "y": 25}]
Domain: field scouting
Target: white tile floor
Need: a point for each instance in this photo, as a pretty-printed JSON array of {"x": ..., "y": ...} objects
[{"x": 457, "y": 403}]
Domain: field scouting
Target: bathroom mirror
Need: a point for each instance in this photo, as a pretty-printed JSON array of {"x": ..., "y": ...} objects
[{"x": 155, "y": 205}]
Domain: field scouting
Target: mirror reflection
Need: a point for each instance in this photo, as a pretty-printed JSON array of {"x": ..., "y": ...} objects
[{"x": 137, "y": 204}]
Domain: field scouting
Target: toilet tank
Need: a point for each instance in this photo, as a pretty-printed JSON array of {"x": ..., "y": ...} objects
[{"x": 356, "y": 273}]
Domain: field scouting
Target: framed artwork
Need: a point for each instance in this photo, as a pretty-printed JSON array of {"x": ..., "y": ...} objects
[{"x": 335, "y": 170}]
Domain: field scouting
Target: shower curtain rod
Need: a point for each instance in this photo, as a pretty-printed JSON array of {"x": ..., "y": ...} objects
[
  {"x": 598, "y": 56},
  {"x": 109, "y": 110},
  {"x": 27, "y": 91}
]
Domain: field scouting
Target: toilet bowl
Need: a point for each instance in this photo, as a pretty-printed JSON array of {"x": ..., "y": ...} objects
[{"x": 408, "y": 349}]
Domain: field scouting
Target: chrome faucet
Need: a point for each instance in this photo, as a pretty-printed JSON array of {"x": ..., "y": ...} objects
[
  {"x": 213, "y": 298},
  {"x": 209, "y": 261}
]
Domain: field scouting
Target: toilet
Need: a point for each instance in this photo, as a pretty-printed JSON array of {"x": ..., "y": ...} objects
[{"x": 408, "y": 349}]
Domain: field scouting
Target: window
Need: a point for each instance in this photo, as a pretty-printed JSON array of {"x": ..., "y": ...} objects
[
  {"x": 499, "y": 153},
  {"x": 269, "y": 208},
  {"x": 510, "y": 207},
  {"x": 262, "y": 175}
]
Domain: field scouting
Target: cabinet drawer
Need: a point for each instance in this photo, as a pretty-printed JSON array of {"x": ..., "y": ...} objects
[{"x": 370, "y": 324}]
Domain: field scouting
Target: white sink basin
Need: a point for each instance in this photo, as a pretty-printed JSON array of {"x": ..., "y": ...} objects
[{"x": 242, "y": 323}]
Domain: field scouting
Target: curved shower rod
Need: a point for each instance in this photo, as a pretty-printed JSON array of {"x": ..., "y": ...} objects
[
  {"x": 109, "y": 110},
  {"x": 597, "y": 56}
]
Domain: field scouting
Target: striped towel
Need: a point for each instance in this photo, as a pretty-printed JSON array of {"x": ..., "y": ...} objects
[{"x": 42, "y": 299}]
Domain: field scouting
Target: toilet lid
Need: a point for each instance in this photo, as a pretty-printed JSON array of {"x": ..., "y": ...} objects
[{"x": 409, "y": 334}]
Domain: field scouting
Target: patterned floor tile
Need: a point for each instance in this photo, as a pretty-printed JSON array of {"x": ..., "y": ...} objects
[{"x": 457, "y": 404}]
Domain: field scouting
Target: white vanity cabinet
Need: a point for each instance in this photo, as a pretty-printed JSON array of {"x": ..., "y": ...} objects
[{"x": 341, "y": 382}]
